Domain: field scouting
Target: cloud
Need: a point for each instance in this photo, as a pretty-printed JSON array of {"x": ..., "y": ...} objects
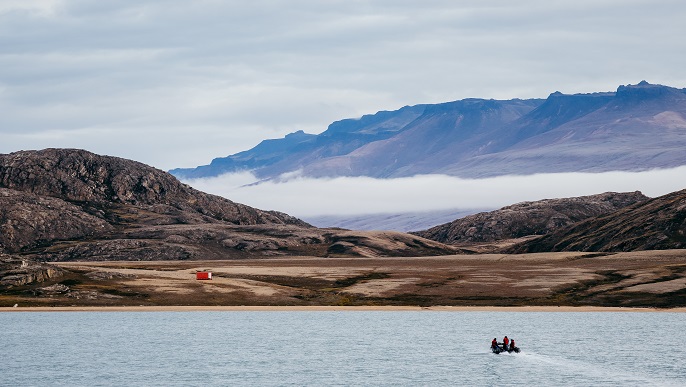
[
  {"x": 362, "y": 195},
  {"x": 238, "y": 72},
  {"x": 43, "y": 8}
]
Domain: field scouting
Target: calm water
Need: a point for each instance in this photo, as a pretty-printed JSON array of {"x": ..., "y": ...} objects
[{"x": 340, "y": 349}]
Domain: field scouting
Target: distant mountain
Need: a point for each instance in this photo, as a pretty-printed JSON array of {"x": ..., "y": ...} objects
[
  {"x": 656, "y": 224},
  {"x": 404, "y": 222},
  {"x": 329, "y": 153},
  {"x": 529, "y": 218},
  {"x": 68, "y": 204},
  {"x": 638, "y": 127},
  {"x": 267, "y": 153}
]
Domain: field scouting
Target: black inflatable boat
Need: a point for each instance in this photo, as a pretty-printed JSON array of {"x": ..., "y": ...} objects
[{"x": 501, "y": 348}]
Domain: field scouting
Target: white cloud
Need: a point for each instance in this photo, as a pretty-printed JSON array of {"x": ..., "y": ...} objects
[
  {"x": 362, "y": 195},
  {"x": 246, "y": 71},
  {"x": 38, "y": 7}
]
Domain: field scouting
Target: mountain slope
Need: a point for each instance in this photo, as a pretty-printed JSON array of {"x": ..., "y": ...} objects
[
  {"x": 80, "y": 176},
  {"x": 442, "y": 134},
  {"x": 637, "y": 127},
  {"x": 656, "y": 224},
  {"x": 529, "y": 218},
  {"x": 273, "y": 157},
  {"x": 66, "y": 204},
  {"x": 266, "y": 153},
  {"x": 27, "y": 220}
]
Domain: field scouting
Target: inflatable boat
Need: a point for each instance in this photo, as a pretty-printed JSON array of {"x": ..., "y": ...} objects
[{"x": 501, "y": 348}]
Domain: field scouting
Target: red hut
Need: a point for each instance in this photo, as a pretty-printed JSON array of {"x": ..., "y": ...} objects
[{"x": 203, "y": 275}]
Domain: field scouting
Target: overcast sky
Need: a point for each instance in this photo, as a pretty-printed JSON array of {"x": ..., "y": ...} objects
[{"x": 177, "y": 83}]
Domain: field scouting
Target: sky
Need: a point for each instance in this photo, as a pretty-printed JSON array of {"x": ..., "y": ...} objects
[{"x": 177, "y": 83}]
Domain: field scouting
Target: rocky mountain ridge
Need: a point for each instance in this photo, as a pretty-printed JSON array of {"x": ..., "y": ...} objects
[
  {"x": 636, "y": 127},
  {"x": 83, "y": 177},
  {"x": 655, "y": 224},
  {"x": 529, "y": 218},
  {"x": 66, "y": 204}
]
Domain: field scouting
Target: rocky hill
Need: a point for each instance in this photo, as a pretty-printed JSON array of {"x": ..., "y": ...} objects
[
  {"x": 636, "y": 127},
  {"x": 66, "y": 204},
  {"x": 529, "y": 218},
  {"x": 656, "y": 224},
  {"x": 82, "y": 177}
]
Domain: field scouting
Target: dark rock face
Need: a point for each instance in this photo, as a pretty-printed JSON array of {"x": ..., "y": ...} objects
[
  {"x": 529, "y": 218},
  {"x": 71, "y": 205},
  {"x": 656, "y": 224},
  {"x": 27, "y": 220}
]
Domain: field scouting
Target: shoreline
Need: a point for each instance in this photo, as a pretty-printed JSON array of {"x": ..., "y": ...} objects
[{"x": 547, "y": 309}]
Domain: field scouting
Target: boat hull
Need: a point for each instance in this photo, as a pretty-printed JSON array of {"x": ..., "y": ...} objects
[{"x": 500, "y": 349}]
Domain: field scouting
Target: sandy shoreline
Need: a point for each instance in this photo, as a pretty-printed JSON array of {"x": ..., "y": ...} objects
[{"x": 338, "y": 309}]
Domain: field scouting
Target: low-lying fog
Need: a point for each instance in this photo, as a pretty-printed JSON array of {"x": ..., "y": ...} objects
[{"x": 306, "y": 197}]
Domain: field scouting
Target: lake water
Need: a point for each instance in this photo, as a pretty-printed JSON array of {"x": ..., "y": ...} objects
[{"x": 341, "y": 348}]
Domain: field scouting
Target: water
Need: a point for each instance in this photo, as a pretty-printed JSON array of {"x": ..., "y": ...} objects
[{"x": 358, "y": 348}]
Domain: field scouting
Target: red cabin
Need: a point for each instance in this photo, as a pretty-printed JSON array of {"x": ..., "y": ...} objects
[{"x": 203, "y": 275}]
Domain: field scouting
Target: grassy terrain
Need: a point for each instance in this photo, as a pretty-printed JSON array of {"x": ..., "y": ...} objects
[{"x": 635, "y": 279}]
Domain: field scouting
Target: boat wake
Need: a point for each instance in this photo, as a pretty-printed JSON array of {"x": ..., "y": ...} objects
[{"x": 593, "y": 371}]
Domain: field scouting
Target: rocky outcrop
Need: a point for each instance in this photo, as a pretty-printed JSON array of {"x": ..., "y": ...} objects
[
  {"x": 18, "y": 272},
  {"x": 656, "y": 224},
  {"x": 529, "y": 218}
]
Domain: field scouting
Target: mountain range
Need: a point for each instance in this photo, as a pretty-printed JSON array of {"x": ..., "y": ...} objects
[
  {"x": 637, "y": 127},
  {"x": 68, "y": 204},
  {"x": 73, "y": 205}
]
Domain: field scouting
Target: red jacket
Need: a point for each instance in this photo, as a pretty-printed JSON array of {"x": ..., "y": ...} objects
[{"x": 505, "y": 340}]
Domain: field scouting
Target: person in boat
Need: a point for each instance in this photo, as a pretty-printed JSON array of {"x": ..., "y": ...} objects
[
  {"x": 506, "y": 343},
  {"x": 494, "y": 343},
  {"x": 512, "y": 345}
]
